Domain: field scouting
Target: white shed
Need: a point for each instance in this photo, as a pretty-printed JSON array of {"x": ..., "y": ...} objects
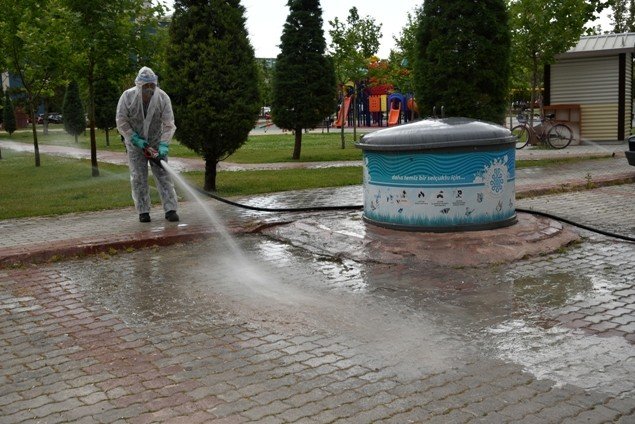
[{"x": 591, "y": 86}]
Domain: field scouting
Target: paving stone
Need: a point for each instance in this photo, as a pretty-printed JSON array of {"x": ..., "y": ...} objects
[
  {"x": 51, "y": 408},
  {"x": 9, "y": 399},
  {"x": 559, "y": 413},
  {"x": 26, "y": 404},
  {"x": 518, "y": 411},
  {"x": 413, "y": 415},
  {"x": 623, "y": 406},
  {"x": 259, "y": 412},
  {"x": 304, "y": 411}
]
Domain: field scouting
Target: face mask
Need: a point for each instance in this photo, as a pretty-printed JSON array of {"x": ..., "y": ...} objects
[{"x": 148, "y": 92}]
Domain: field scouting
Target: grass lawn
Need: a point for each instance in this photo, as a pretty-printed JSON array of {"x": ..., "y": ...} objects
[
  {"x": 243, "y": 183},
  {"x": 63, "y": 185},
  {"x": 279, "y": 148},
  {"x": 58, "y": 186}
]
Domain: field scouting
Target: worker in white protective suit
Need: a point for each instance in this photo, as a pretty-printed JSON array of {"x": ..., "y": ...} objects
[{"x": 146, "y": 122}]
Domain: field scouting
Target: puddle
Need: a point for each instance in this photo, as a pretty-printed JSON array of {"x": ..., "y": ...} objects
[
  {"x": 549, "y": 290},
  {"x": 567, "y": 356}
]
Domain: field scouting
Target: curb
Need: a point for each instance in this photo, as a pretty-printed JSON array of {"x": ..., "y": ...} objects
[
  {"x": 79, "y": 247},
  {"x": 575, "y": 185}
]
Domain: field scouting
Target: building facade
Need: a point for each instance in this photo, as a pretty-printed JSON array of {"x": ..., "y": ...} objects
[{"x": 592, "y": 85}]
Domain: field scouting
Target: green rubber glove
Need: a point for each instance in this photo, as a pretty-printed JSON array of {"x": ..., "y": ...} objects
[
  {"x": 139, "y": 141},
  {"x": 163, "y": 149}
]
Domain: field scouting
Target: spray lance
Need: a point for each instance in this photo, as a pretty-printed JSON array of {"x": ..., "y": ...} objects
[{"x": 152, "y": 154}]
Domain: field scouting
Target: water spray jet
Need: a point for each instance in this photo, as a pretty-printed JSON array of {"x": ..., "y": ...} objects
[{"x": 249, "y": 271}]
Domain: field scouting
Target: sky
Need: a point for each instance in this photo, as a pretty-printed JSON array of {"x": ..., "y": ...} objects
[{"x": 265, "y": 19}]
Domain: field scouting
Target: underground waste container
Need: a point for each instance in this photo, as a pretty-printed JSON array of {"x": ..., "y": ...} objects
[{"x": 441, "y": 175}]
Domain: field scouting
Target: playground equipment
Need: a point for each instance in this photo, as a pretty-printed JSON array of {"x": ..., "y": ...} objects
[
  {"x": 397, "y": 103},
  {"x": 343, "y": 112},
  {"x": 376, "y": 109},
  {"x": 394, "y": 114}
]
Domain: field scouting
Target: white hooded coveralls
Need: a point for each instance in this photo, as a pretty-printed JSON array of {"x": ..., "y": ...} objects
[{"x": 156, "y": 124}]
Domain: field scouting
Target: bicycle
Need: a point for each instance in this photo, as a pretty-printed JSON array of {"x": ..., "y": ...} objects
[{"x": 556, "y": 134}]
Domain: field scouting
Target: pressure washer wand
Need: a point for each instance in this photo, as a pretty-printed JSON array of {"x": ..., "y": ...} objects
[{"x": 152, "y": 154}]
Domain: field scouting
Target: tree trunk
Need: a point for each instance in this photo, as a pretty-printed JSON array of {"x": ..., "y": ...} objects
[
  {"x": 210, "y": 175},
  {"x": 107, "y": 138},
  {"x": 354, "y": 100},
  {"x": 45, "y": 121},
  {"x": 36, "y": 147},
  {"x": 298, "y": 143},
  {"x": 534, "y": 84},
  {"x": 91, "y": 113},
  {"x": 342, "y": 133},
  {"x": 343, "y": 120}
]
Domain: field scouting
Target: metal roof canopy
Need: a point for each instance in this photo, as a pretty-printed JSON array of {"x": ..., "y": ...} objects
[{"x": 601, "y": 45}]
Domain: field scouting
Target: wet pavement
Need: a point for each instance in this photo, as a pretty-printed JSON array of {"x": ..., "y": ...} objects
[{"x": 193, "y": 328}]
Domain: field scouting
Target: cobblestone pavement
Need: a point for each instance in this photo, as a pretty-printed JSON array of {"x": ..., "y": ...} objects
[
  {"x": 271, "y": 333},
  {"x": 177, "y": 334}
]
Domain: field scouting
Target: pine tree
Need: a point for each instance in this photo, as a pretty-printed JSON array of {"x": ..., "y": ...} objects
[
  {"x": 212, "y": 79},
  {"x": 463, "y": 58},
  {"x": 73, "y": 114},
  {"x": 304, "y": 85},
  {"x": 106, "y": 99},
  {"x": 8, "y": 115}
]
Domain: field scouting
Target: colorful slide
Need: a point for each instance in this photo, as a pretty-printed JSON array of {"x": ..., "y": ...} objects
[
  {"x": 343, "y": 113},
  {"x": 393, "y": 115}
]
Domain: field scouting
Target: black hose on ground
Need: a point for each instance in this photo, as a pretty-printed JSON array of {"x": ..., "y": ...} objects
[
  {"x": 577, "y": 224},
  {"x": 359, "y": 207},
  {"x": 262, "y": 209}
]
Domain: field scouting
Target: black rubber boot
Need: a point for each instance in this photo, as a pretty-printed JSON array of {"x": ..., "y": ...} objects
[{"x": 171, "y": 216}]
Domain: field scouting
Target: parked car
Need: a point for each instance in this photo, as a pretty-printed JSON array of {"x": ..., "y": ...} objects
[{"x": 55, "y": 118}]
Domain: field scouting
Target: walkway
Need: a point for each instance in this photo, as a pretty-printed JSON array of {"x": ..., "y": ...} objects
[{"x": 198, "y": 164}]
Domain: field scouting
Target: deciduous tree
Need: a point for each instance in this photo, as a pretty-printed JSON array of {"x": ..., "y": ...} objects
[
  {"x": 403, "y": 57},
  {"x": 265, "y": 81},
  {"x": 353, "y": 43},
  {"x": 104, "y": 33},
  {"x": 540, "y": 30},
  {"x": 623, "y": 15},
  {"x": 39, "y": 65}
]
